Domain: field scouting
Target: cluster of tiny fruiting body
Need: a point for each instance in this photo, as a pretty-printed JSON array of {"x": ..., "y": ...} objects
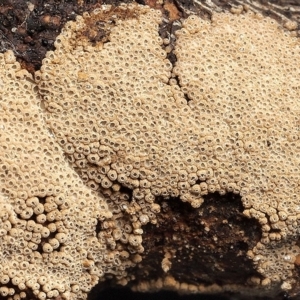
[{"x": 115, "y": 110}]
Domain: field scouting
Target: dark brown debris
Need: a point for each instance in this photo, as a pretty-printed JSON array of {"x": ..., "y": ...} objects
[
  {"x": 29, "y": 28},
  {"x": 208, "y": 244}
]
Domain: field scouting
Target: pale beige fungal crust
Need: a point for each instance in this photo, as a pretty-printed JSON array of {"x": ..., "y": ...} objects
[
  {"x": 124, "y": 122},
  {"x": 115, "y": 110},
  {"x": 118, "y": 120},
  {"x": 48, "y": 217},
  {"x": 244, "y": 94}
]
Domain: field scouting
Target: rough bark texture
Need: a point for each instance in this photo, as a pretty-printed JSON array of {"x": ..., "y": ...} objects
[
  {"x": 219, "y": 229},
  {"x": 207, "y": 249}
]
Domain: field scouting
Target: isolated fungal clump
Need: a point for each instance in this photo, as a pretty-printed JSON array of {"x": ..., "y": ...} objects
[{"x": 135, "y": 128}]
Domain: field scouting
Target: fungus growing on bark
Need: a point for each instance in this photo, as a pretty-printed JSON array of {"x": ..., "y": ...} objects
[
  {"x": 135, "y": 129},
  {"x": 234, "y": 134},
  {"x": 46, "y": 232},
  {"x": 239, "y": 86}
]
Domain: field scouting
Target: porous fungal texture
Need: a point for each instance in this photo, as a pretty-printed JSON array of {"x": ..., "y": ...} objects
[
  {"x": 123, "y": 121},
  {"x": 118, "y": 120},
  {"x": 244, "y": 94},
  {"x": 115, "y": 110},
  {"x": 48, "y": 216}
]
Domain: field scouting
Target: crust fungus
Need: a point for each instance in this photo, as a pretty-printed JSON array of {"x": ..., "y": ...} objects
[
  {"x": 119, "y": 128},
  {"x": 239, "y": 87},
  {"x": 43, "y": 251}
]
